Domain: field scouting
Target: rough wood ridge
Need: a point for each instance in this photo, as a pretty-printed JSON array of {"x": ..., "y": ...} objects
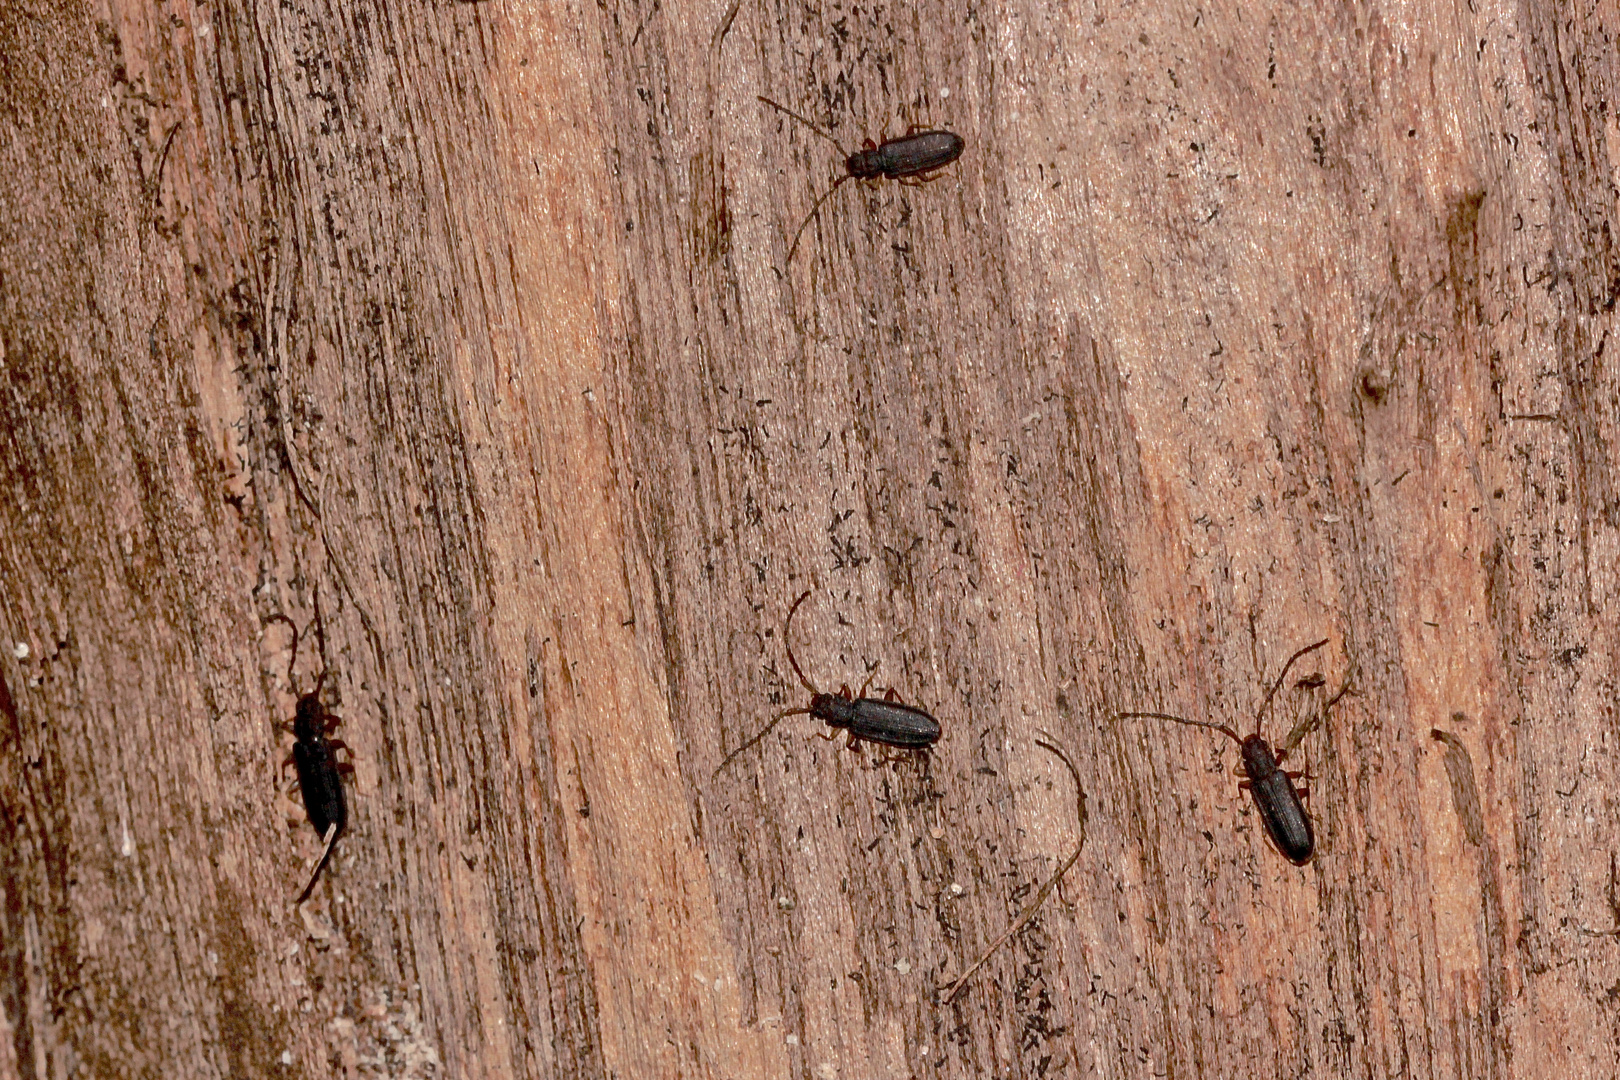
[{"x": 1232, "y": 329}]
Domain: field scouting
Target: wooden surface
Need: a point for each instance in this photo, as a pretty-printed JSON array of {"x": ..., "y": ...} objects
[{"x": 468, "y": 324}]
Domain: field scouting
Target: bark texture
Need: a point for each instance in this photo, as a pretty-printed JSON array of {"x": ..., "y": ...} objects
[{"x": 460, "y": 338}]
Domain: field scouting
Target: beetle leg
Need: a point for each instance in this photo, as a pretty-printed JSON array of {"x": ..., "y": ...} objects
[
  {"x": 1306, "y": 773},
  {"x": 335, "y": 745},
  {"x": 867, "y": 685},
  {"x": 921, "y": 178},
  {"x": 890, "y": 695},
  {"x": 1302, "y": 792},
  {"x": 829, "y": 735}
]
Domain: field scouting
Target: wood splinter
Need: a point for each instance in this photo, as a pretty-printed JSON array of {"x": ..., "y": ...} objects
[{"x": 326, "y": 853}]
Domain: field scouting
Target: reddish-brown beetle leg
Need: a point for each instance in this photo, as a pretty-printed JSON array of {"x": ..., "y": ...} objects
[{"x": 921, "y": 178}]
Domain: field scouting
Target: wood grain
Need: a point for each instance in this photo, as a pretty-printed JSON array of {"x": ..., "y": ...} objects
[{"x": 462, "y": 335}]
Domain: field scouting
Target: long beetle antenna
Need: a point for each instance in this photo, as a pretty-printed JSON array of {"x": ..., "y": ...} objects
[
  {"x": 814, "y": 210},
  {"x": 784, "y": 109},
  {"x": 1258, "y": 716},
  {"x": 751, "y": 743},
  {"x": 787, "y": 642},
  {"x": 797, "y": 236},
  {"x": 1222, "y": 728},
  {"x": 1281, "y": 676},
  {"x": 320, "y": 644}
]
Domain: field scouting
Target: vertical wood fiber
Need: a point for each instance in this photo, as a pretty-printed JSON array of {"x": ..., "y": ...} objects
[{"x": 462, "y": 335}]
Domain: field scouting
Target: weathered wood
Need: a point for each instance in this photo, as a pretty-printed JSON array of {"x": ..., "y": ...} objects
[{"x": 469, "y": 323}]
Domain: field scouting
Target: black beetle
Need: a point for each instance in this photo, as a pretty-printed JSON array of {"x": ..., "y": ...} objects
[
  {"x": 918, "y": 152},
  {"x": 913, "y": 158},
  {"x": 1275, "y": 797},
  {"x": 314, "y": 758},
  {"x": 886, "y": 720}
]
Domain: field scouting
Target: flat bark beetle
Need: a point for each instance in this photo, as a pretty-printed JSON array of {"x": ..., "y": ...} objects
[
  {"x": 886, "y": 720},
  {"x": 1278, "y": 802},
  {"x": 314, "y": 758},
  {"x": 913, "y": 158}
]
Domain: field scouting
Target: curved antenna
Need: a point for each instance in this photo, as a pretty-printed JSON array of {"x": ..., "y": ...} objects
[
  {"x": 1222, "y": 728},
  {"x": 815, "y": 210},
  {"x": 1052, "y": 882},
  {"x": 1266, "y": 704},
  {"x": 292, "y": 661},
  {"x": 787, "y": 643},
  {"x": 800, "y": 119},
  {"x": 320, "y": 643},
  {"x": 799, "y": 234},
  {"x": 751, "y": 743}
]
